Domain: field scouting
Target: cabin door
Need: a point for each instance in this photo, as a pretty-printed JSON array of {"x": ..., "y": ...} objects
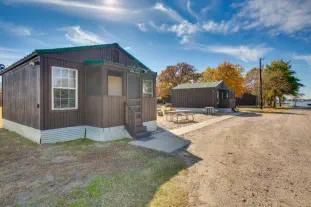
[{"x": 133, "y": 87}]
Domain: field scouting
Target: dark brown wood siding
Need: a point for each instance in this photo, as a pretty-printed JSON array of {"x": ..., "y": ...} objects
[
  {"x": 105, "y": 53},
  {"x": 21, "y": 95},
  {"x": 149, "y": 109},
  {"x": 113, "y": 111},
  {"x": 194, "y": 98},
  {"x": 102, "y": 110},
  {"x": 247, "y": 100},
  {"x": 50, "y": 119}
]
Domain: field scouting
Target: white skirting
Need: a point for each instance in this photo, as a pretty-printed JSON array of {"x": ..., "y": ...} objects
[
  {"x": 25, "y": 131},
  {"x": 72, "y": 133}
]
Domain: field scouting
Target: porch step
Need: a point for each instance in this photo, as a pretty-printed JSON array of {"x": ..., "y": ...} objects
[
  {"x": 141, "y": 128},
  {"x": 142, "y": 134}
]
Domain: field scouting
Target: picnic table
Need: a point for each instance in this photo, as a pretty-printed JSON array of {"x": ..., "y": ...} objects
[{"x": 181, "y": 113}]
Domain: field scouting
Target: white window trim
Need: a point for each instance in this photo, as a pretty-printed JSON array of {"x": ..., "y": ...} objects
[
  {"x": 52, "y": 87},
  {"x": 151, "y": 93}
]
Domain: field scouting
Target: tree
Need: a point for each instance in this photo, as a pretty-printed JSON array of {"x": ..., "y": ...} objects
[
  {"x": 293, "y": 83},
  {"x": 251, "y": 82},
  {"x": 275, "y": 84},
  {"x": 289, "y": 74},
  {"x": 174, "y": 75},
  {"x": 297, "y": 98},
  {"x": 231, "y": 74}
]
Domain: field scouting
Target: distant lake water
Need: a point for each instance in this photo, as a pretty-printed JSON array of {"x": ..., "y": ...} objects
[{"x": 300, "y": 103}]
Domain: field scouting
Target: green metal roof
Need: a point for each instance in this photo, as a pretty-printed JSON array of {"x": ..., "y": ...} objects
[
  {"x": 66, "y": 49},
  {"x": 198, "y": 85}
]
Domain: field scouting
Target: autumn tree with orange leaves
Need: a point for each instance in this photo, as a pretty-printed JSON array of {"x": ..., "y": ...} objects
[
  {"x": 174, "y": 75},
  {"x": 231, "y": 74}
]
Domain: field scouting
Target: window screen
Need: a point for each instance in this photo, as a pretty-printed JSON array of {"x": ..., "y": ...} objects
[{"x": 64, "y": 88}]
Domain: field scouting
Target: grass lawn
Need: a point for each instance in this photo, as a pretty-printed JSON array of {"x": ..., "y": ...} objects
[
  {"x": 86, "y": 173},
  {"x": 264, "y": 110}
]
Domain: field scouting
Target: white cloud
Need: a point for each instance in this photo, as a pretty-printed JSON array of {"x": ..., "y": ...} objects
[
  {"x": 184, "y": 28},
  {"x": 242, "y": 52},
  {"x": 121, "y": 10},
  {"x": 306, "y": 58},
  {"x": 128, "y": 48},
  {"x": 142, "y": 27},
  {"x": 185, "y": 39},
  {"x": 82, "y": 37},
  {"x": 223, "y": 27},
  {"x": 5, "y": 49},
  {"x": 191, "y": 11},
  {"x": 16, "y": 30},
  {"x": 288, "y": 16},
  {"x": 10, "y": 55},
  {"x": 159, "y": 28},
  {"x": 170, "y": 12}
]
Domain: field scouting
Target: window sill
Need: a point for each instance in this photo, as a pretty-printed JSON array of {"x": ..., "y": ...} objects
[{"x": 64, "y": 110}]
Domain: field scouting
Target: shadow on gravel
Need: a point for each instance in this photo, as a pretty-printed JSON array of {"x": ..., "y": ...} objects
[
  {"x": 259, "y": 113},
  {"x": 250, "y": 114}
]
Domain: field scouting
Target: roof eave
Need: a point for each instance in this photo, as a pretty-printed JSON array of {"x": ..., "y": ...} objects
[{"x": 19, "y": 62}]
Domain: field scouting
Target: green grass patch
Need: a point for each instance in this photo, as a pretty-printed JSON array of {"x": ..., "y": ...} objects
[
  {"x": 76, "y": 142},
  {"x": 127, "y": 188},
  {"x": 11, "y": 138},
  {"x": 122, "y": 141}
]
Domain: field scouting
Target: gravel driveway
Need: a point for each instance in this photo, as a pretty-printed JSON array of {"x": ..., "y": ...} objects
[{"x": 252, "y": 160}]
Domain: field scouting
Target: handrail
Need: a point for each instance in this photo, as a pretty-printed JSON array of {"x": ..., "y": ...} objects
[
  {"x": 129, "y": 107},
  {"x": 130, "y": 119}
]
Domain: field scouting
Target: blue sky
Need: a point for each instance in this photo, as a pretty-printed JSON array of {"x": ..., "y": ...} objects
[{"x": 160, "y": 33}]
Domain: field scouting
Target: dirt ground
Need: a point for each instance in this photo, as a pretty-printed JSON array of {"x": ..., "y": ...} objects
[
  {"x": 81, "y": 173},
  {"x": 165, "y": 125},
  {"x": 258, "y": 159}
]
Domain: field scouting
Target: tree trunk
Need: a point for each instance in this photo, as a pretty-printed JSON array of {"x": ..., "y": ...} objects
[
  {"x": 280, "y": 100},
  {"x": 274, "y": 104}
]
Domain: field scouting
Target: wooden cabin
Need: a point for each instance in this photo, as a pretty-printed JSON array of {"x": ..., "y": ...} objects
[
  {"x": 99, "y": 92},
  {"x": 201, "y": 95}
]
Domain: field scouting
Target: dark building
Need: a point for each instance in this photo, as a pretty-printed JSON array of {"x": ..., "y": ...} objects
[
  {"x": 247, "y": 100},
  {"x": 200, "y": 95},
  {"x": 100, "y": 91}
]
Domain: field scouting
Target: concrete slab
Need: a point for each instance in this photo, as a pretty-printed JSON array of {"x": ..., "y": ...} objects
[
  {"x": 170, "y": 142},
  {"x": 165, "y": 142},
  {"x": 193, "y": 127}
]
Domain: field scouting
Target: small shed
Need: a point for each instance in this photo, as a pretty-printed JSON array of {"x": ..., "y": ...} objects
[
  {"x": 247, "y": 100},
  {"x": 97, "y": 91},
  {"x": 200, "y": 95}
]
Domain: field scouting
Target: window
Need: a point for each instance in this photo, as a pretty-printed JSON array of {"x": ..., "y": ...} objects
[
  {"x": 225, "y": 95},
  {"x": 64, "y": 88},
  {"x": 147, "y": 88}
]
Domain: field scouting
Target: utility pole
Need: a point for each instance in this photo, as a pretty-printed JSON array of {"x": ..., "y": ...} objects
[{"x": 260, "y": 77}]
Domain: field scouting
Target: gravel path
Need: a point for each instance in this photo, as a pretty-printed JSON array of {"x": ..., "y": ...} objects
[{"x": 252, "y": 160}]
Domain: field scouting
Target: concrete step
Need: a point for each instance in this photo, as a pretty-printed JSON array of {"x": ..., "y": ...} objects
[
  {"x": 142, "y": 134},
  {"x": 141, "y": 128}
]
